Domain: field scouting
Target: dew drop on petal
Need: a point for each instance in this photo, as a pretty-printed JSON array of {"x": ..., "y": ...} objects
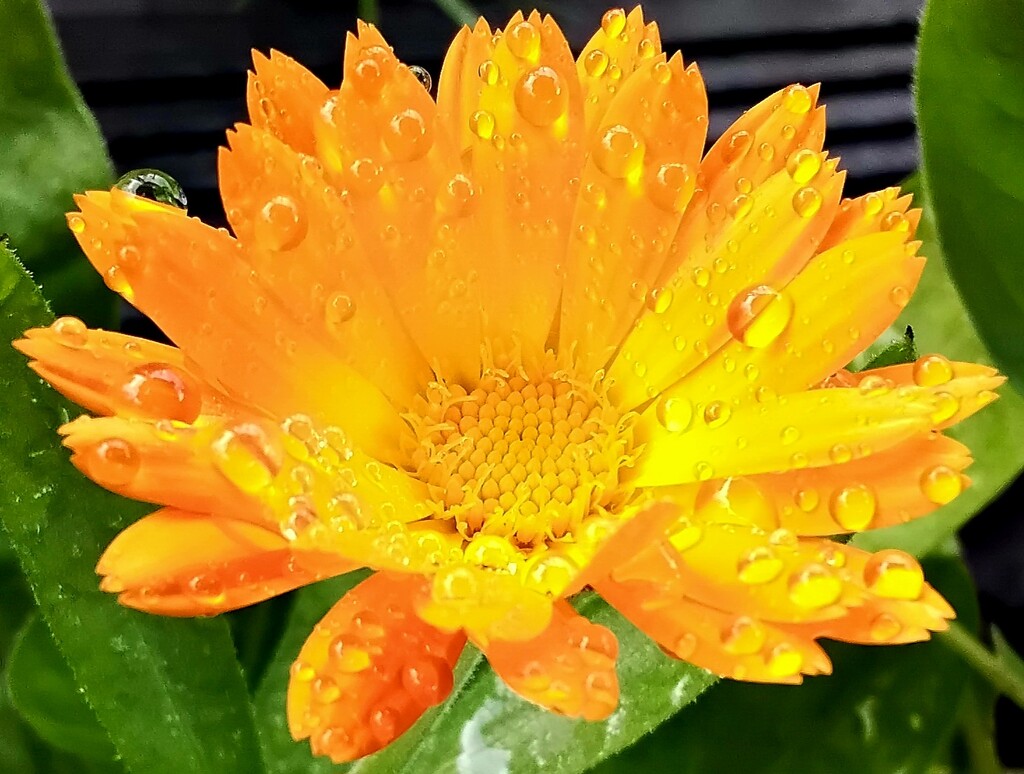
[
  {"x": 745, "y": 637},
  {"x": 524, "y": 41},
  {"x": 481, "y": 123},
  {"x": 246, "y": 456},
  {"x": 894, "y": 574},
  {"x": 814, "y": 587},
  {"x": 407, "y": 135},
  {"x": 113, "y": 462},
  {"x": 595, "y": 63},
  {"x": 900, "y": 296},
  {"x": 716, "y": 413},
  {"x": 619, "y": 153},
  {"x": 759, "y": 565},
  {"x": 853, "y": 507},
  {"x": 423, "y": 76},
  {"x": 797, "y": 99},
  {"x": 159, "y": 390},
  {"x": 759, "y": 315},
  {"x": 941, "y": 484},
  {"x": 281, "y": 225},
  {"x": 674, "y": 413},
  {"x": 71, "y": 332},
  {"x": 803, "y": 165},
  {"x": 540, "y": 96},
  {"x": 154, "y": 185},
  {"x": 932, "y": 370},
  {"x": 946, "y": 406},
  {"x": 613, "y": 23},
  {"x": 807, "y": 202},
  {"x": 489, "y": 72},
  {"x": 885, "y": 627},
  {"x": 671, "y": 187},
  {"x": 784, "y": 661}
]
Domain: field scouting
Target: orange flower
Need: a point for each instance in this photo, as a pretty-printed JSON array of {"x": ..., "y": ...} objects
[{"x": 505, "y": 346}]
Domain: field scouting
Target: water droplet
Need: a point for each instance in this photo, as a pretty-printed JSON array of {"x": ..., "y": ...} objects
[
  {"x": 685, "y": 645},
  {"x": 71, "y": 332},
  {"x": 281, "y": 225},
  {"x": 840, "y": 454},
  {"x": 803, "y": 165},
  {"x": 807, "y": 202},
  {"x": 759, "y": 315},
  {"x": 797, "y": 99},
  {"x": 759, "y": 565},
  {"x": 739, "y": 146},
  {"x": 900, "y": 296},
  {"x": 340, "y": 308},
  {"x": 489, "y": 72},
  {"x": 428, "y": 680},
  {"x": 620, "y": 153},
  {"x": 659, "y": 300},
  {"x": 246, "y": 457},
  {"x": 154, "y": 185},
  {"x": 550, "y": 574},
  {"x": 674, "y": 414},
  {"x": 785, "y": 661},
  {"x": 671, "y": 187},
  {"x": 407, "y": 136},
  {"x": 946, "y": 407},
  {"x": 366, "y": 176},
  {"x": 423, "y": 76},
  {"x": 458, "y": 195},
  {"x": 745, "y": 637},
  {"x": 112, "y": 463},
  {"x": 941, "y": 484},
  {"x": 766, "y": 151},
  {"x": 716, "y": 413},
  {"x": 595, "y": 63},
  {"x": 540, "y": 96},
  {"x": 808, "y": 500},
  {"x": 613, "y": 23},
  {"x": 524, "y": 41},
  {"x": 894, "y": 574},
  {"x": 455, "y": 584},
  {"x": 814, "y": 587},
  {"x": 662, "y": 73},
  {"x": 701, "y": 277},
  {"x": 789, "y": 435},
  {"x": 885, "y": 627},
  {"x": 481, "y": 123},
  {"x": 161, "y": 391},
  {"x": 895, "y": 221},
  {"x": 932, "y": 370},
  {"x": 76, "y": 223},
  {"x": 873, "y": 204},
  {"x": 684, "y": 534},
  {"x": 853, "y": 507},
  {"x": 703, "y": 471}
]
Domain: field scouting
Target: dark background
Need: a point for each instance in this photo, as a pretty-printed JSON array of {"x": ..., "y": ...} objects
[{"x": 165, "y": 78}]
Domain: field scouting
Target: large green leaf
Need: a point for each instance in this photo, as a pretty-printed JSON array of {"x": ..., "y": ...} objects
[
  {"x": 169, "y": 692},
  {"x": 971, "y": 117},
  {"x": 43, "y": 690},
  {"x": 485, "y": 728},
  {"x": 52, "y": 148},
  {"x": 882, "y": 710},
  {"x": 941, "y": 324}
]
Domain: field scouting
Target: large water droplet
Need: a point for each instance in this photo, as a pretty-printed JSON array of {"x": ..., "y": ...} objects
[
  {"x": 161, "y": 391},
  {"x": 803, "y": 165},
  {"x": 807, "y": 202},
  {"x": 407, "y": 136},
  {"x": 785, "y": 660},
  {"x": 674, "y": 414},
  {"x": 247, "y": 457},
  {"x": 481, "y": 123},
  {"x": 524, "y": 41},
  {"x": 932, "y": 370},
  {"x": 154, "y": 185},
  {"x": 745, "y": 637},
  {"x": 941, "y": 484},
  {"x": 423, "y": 76},
  {"x": 281, "y": 225},
  {"x": 894, "y": 574},
  {"x": 489, "y": 72},
  {"x": 814, "y": 587},
  {"x": 613, "y": 23},
  {"x": 853, "y": 507},
  {"x": 759, "y": 565},
  {"x": 71, "y": 332},
  {"x": 671, "y": 187},
  {"x": 619, "y": 153},
  {"x": 112, "y": 463},
  {"x": 595, "y": 63},
  {"x": 797, "y": 99},
  {"x": 540, "y": 96},
  {"x": 759, "y": 315}
]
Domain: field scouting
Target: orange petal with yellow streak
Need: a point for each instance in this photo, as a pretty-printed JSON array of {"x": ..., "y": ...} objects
[
  {"x": 177, "y": 563},
  {"x": 368, "y": 671},
  {"x": 878, "y": 211},
  {"x": 283, "y": 97},
  {"x": 569, "y": 668}
]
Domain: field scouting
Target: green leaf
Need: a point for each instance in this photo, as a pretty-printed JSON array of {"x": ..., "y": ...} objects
[
  {"x": 882, "y": 710},
  {"x": 43, "y": 690},
  {"x": 484, "y": 728},
  {"x": 1011, "y": 661},
  {"x": 52, "y": 149},
  {"x": 892, "y": 348},
  {"x": 941, "y": 324},
  {"x": 169, "y": 692},
  {"x": 971, "y": 117}
]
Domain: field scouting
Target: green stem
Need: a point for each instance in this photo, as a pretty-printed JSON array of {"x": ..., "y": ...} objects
[
  {"x": 368, "y": 11},
  {"x": 986, "y": 663},
  {"x": 459, "y": 11}
]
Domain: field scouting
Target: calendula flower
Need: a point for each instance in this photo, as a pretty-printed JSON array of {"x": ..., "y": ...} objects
[{"x": 505, "y": 346}]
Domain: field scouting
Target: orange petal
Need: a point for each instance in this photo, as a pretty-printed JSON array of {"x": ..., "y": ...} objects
[
  {"x": 110, "y": 373},
  {"x": 621, "y": 45},
  {"x": 905, "y": 482},
  {"x": 300, "y": 240},
  {"x": 283, "y": 97},
  {"x": 721, "y": 284},
  {"x": 871, "y": 213},
  {"x": 183, "y": 564},
  {"x": 382, "y": 143},
  {"x": 369, "y": 670},
  {"x": 192, "y": 280},
  {"x": 517, "y": 119},
  {"x": 743, "y": 647},
  {"x": 633, "y": 189},
  {"x": 807, "y": 333},
  {"x": 569, "y": 668}
]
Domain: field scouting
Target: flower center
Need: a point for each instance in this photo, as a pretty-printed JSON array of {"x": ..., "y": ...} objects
[{"x": 529, "y": 459}]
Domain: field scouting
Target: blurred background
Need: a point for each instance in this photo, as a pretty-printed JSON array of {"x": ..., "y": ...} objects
[{"x": 165, "y": 78}]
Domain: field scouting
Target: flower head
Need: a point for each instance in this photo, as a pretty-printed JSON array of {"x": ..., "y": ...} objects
[{"x": 505, "y": 346}]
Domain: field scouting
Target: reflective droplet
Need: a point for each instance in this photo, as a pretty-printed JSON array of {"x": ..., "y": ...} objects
[
  {"x": 716, "y": 413},
  {"x": 803, "y": 165},
  {"x": 885, "y": 628},
  {"x": 116, "y": 279},
  {"x": 759, "y": 315},
  {"x": 112, "y": 463},
  {"x": 458, "y": 195},
  {"x": 840, "y": 454},
  {"x": 340, "y": 308},
  {"x": 489, "y": 72},
  {"x": 76, "y": 223},
  {"x": 946, "y": 407},
  {"x": 524, "y": 41},
  {"x": 540, "y": 96},
  {"x": 797, "y": 99},
  {"x": 154, "y": 185},
  {"x": 745, "y": 637},
  {"x": 894, "y": 574},
  {"x": 766, "y": 151},
  {"x": 674, "y": 414},
  {"x": 932, "y": 370},
  {"x": 407, "y": 136},
  {"x": 613, "y": 23},
  {"x": 281, "y": 225},
  {"x": 662, "y": 73},
  {"x": 660, "y": 300},
  {"x": 671, "y": 187},
  {"x": 457, "y": 583},
  {"x": 807, "y": 201},
  {"x": 481, "y": 123},
  {"x": 814, "y": 587},
  {"x": 366, "y": 176},
  {"x": 684, "y": 534},
  {"x": 808, "y": 500},
  {"x": 161, "y": 391},
  {"x": 738, "y": 147},
  {"x": 595, "y": 63},
  {"x": 71, "y": 332},
  {"x": 784, "y": 661},
  {"x": 703, "y": 471},
  {"x": 900, "y": 296},
  {"x": 685, "y": 645},
  {"x": 246, "y": 457},
  {"x": 370, "y": 72},
  {"x": 423, "y": 76},
  {"x": 853, "y": 507},
  {"x": 701, "y": 277},
  {"x": 873, "y": 204},
  {"x": 620, "y": 153},
  {"x": 941, "y": 484},
  {"x": 759, "y": 565},
  {"x": 550, "y": 574}
]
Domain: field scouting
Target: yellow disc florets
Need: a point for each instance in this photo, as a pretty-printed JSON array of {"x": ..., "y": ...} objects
[{"x": 527, "y": 458}]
